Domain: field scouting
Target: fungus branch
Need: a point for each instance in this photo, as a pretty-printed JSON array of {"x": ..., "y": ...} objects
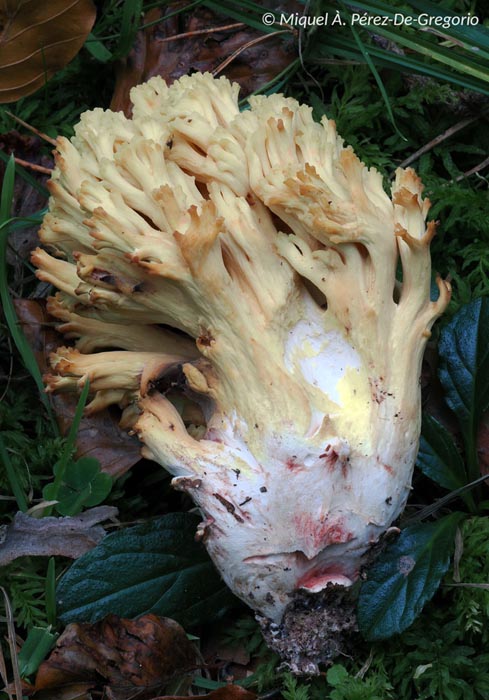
[{"x": 247, "y": 263}]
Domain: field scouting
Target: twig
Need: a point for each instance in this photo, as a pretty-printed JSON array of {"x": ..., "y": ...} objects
[
  {"x": 248, "y": 45},
  {"x": 32, "y": 128},
  {"x": 337, "y": 62},
  {"x": 196, "y": 32},
  {"x": 361, "y": 673},
  {"x": 33, "y": 166},
  {"x": 441, "y": 502},
  {"x": 438, "y": 139},
  {"x": 473, "y": 170}
]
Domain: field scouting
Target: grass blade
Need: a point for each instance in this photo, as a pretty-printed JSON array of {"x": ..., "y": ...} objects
[
  {"x": 12, "y": 645},
  {"x": 69, "y": 446},
  {"x": 428, "y": 52},
  {"x": 51, "y": 592},
  {"x": 13, "y": 478},
  {"x": 376, "y": 75},
  {"x": 97, "y": 49},
  {"x": 18, "y": 337},
  {"x": 7, "y": 195},
  {"x": 131, "y": 15},
  {"x": 345, "y": 49}
]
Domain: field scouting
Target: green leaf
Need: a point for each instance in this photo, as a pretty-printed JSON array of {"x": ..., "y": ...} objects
[
  {"x": 83, "y": 486},
  {"x": 405, "y": 577},
  {"x": 336, "y": 675},
  {"x": 438, "y": 456},
  {"x": 98, "y": 50},
  {"x": 464, "y": 371},
  {"x": 464, "y": 362},
  {"x": 155, "y": 567},
  {"x": 35, "y": 649}
]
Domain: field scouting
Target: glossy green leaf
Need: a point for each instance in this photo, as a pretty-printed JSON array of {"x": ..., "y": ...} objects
[
  {"x": 464, "y": 364},
  {"x": 154, "y": 567},
  {"x": 438, "y": 456},
  {"x": 405, "y": 577}
]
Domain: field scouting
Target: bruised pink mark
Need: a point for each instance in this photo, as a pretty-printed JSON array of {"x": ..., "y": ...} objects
[
  {"x": 320, "y": 533},
  {"x": 292, "y": 464},
  {"x": 389, "y": 469},
  {"x": 317, "y": 579},
  {"x": 330, "y": 457}
]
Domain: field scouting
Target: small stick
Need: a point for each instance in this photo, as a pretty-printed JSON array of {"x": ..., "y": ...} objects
[
  {"x": 248, "y": 45},
  {"x": 33, "y": 166},
  {"x": 196, "y": 32},
  {"x": 438, "y": 139},
  {"x": 32, "y": 128},
  {"x": 473, "y": 170}
]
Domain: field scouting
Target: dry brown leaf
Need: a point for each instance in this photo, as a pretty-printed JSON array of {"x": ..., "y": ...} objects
[
  {"x": 203, "y": 48},
  {"x": 37, "y": 39},
  {"x": 128, "y": 655},
  {"x": 75, "y": 691},
  {"x": 47, "y": 537},
  {"x": 230, "y": 692},
  {"x": 99, "y": 436}
]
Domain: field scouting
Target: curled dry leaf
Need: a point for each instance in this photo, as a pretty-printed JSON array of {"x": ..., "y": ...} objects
[
  {"x": 65, "y": 537},
  {"x": 128, "y": 655},
  {"x": 37, "y": 39},
  {"x": 99, "y": 435},
  {"x": 77, "y": 691},
  {"x": 203, "y": 46},
  {"x": 230, "y": 692}
]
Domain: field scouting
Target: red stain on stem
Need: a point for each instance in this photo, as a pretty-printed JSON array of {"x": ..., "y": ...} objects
[
  {"x": 319, "y": 533},
  {"x": 317, "y": 579}
]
